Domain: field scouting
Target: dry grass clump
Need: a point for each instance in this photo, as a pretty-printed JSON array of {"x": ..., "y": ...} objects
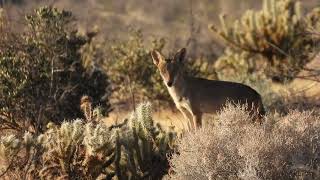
[{"x": 284, "y": 147}]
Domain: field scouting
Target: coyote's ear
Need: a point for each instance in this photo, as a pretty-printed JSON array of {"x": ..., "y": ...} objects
[
  {"x": 156, "y": 56},
  {"x": 180, "y": 55}
]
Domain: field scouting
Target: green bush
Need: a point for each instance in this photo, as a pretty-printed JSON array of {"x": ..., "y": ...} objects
[
  {"x": 41, "y": 74},
  {"x": 88, "y": 149},
  {"x": 131, "y": 70},
  {"x": 272, "y": 39}
]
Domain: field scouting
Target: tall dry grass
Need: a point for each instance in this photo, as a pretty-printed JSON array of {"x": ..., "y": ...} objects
[{"x": 283, "y": 147}]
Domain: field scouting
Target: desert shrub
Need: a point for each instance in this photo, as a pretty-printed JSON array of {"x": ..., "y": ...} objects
[
  {"x": 133, "y": 73},
  {"x": 271, "y": 39},
  {"x": 41, "y": 74},
  {"x": 283, "y": 147},
  {"x": 88, "y": 149},
  {"x": 131, "y": 70}
]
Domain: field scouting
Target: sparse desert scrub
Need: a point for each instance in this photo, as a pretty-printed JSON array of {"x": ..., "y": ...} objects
[
  {"x": 46, "y": 66},
  {"x": 88, "y": 149},
  {"x": 283, "y": 147}
]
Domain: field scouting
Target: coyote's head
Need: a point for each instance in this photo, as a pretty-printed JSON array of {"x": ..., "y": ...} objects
[{"x": 170, "y": 69}]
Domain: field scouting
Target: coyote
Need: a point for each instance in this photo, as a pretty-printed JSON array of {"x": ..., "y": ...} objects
[{"x": 195, "y": 96}]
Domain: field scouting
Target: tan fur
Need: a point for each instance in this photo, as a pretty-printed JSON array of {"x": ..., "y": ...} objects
[{"x": 195, "y": 96}]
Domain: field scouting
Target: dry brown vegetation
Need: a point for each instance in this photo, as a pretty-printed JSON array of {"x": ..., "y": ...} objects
[{"x": 283, "y": 147}]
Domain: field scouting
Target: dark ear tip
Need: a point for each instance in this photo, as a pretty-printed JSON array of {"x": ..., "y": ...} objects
[{"x": 154, "y": 53}]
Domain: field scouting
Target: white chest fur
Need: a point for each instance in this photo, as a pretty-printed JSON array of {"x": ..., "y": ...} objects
[
  {"x": 179, "y": 97},
  {"x": 174, "y": 94}
]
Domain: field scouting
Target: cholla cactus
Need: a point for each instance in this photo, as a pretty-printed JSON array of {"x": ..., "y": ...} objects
[
  {"x": 313, "y": 26},
  {"x": 60, "y": 143},
  {"x": 9, "y": 147},
  {"x": 144, "y": 119},
  {"x": 101, "y": 150},
  {"x": 276, "y": 24},
  {"x": 86, "y": 107},
  {"x": 98, "y": 139},
  {"x": 272, "y": 34},
  {"x": 146, "y": 143},
  {"x": 136, "y": 149},
  {"x": 28, "y": 141},
  {"x": 93, "y": 115},
  {"x": 70, "y": 133},
  {"x": 234, "y": 63}
]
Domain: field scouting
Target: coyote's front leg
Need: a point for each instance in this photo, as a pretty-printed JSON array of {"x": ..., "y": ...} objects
[
  {"x": 187, "y": 116},
  {"x": 194, "y": 110}
]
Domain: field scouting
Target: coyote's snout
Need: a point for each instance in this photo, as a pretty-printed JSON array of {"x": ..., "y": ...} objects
[{"x": 195, "y": 96}]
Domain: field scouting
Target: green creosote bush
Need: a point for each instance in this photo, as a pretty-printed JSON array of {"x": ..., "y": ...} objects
[
  {"x": 283, "y": 147},
  {"x": 132, "y": 71},
  {"x": 272, "y": 40},
  {"x": 41, "y": 73},
  {"x": 88, "y": 149},
  {"x": 130, "y": 68}
]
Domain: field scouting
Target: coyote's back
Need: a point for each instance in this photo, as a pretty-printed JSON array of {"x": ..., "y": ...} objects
[
  {"x": 195, "y": 96},
  {"x": 210, "y": 95}
]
